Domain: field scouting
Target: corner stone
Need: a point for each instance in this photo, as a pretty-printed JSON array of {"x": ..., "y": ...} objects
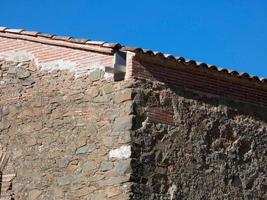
[
  {"x": 123, "y": 123},
  {"x": 122, "y": 152}
]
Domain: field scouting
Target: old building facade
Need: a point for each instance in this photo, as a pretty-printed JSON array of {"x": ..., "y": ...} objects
[{"x": 83, "y": 119}]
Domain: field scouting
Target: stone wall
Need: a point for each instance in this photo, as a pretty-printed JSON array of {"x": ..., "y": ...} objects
[
  {"x": 69, "y": 131},
  {"x": 212, "y": 148},
  {"x": 66, "y": 136}
]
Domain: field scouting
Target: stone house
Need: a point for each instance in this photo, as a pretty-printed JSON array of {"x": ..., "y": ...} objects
[{"x": 82, "y": 119}]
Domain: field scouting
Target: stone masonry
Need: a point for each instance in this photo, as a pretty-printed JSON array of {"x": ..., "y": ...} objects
[
  {"x": 68, "y": 137},
  {"x": 164, "y": 130},
  {"x": 213, "y": 149}
]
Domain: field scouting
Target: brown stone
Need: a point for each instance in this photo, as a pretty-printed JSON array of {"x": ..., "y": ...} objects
[
  {"x": 34, "y": 194},
  {"x": 123, "y": 95}
]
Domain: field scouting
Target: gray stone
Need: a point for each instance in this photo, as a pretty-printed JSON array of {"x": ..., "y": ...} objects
[
  {"x": 4, "y": 111},
  {"x": 123, "y": 167},
  {"x": 86, "y": 149},
  {"x": 65, "y": 180},
  {"x": 102, "y": 99},
  {"x": 123, "y": 123},
  {"x": 22, "y": 73},
  {"x": 89, "y": 166},
  {"x": 28, "y": 82},
  {"x": 91, "y": 129},
  {"x": 77, "y": 178},
  {"x": 4, "y": 125},
  {"x": 113, "y": 181},
  {"x": 106, "y": 165},
  {"x": 12, "y": 70},
  {"x": 96, "y": 75},
  {"x": 95, "y": 178}
]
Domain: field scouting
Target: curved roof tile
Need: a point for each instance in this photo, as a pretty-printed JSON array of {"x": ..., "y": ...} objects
[{"x": 117, "y": 46}]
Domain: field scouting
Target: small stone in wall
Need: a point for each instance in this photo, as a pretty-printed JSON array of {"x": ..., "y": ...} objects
[
  {"x": 88, "y": 166},
  {"x": 65, "y": 180},
  {"x": 123, "y": 123},
  {"x": 4, "y": 125},
  {"x": 172, "y": 191},
  {"x": 123, "y": 167},
  {"x": 124, "y": 95},
  {"x": 108, "y": 88},
  {"x": 83, "y": 191},
  {"x": 99, "y": 195},
  {"x": 4, "y": 111},
  {"x": 122, "y": 152},
  {"x": 34, "y": 194},
  {"x": 85, "y": 149},
  {"x": 96, "y": 75},
  {"x": 113, "y": 181},
  {"x": 106, "y": 165},
  {"x": 22, "y": 73},
  {"x": 112, "y": 191}
]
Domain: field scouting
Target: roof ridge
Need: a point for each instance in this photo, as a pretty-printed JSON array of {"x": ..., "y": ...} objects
[
  {"x": 60, "y": 38},
  {"x": 118, "y": 46}
]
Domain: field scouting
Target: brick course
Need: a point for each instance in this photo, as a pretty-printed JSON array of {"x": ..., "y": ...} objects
[
  {"x": 210, "y": 84},
  {"x": 46, "y": 52}
]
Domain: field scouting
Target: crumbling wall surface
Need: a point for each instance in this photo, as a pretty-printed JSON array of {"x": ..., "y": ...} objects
[
  {"x": 66, "y": 136},
  {"x": 192, "y": 146}
]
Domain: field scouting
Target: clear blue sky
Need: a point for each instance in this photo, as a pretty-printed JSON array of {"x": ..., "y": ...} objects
[{"x": 227, "y": 33}]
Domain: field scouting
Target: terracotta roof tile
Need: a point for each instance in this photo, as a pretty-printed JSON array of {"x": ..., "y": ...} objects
[
  {"x": 192, "y": 62},
  {"x": 95, "y": 42},
  {"x": 244, "y": 75},
  {"x": 180, "y": 59},
  {"x": 13, "y": 30},
  {"x": 45, "y": 35},
  {"x": 112, "y": 45},
  {"x": 64, "y": 38},
  {"x": 2, "y": 28},
  {"x": 30, "y": 33},
  {"x": 132, "y": 49},
  {"x": 80, "y": 41},
  {"x": 117, "y": 46},
  {"x": 233, "y": 72}
]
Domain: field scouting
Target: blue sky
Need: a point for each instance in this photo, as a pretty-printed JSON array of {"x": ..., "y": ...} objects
[{"x": 227, "y": 33}]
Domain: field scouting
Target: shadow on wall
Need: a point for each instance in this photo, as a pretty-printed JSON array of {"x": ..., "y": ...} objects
[{"x": 210, "y": 91}]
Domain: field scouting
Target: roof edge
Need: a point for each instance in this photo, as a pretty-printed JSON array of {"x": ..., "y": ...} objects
[
  {"x": 83, "y": 44},
  {"x": 192, "y": 63},
  {"x": 206, "y": 70},
  {"x": 110, "y": 48}
]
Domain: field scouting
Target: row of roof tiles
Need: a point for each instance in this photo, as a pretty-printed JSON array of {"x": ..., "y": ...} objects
[
  {"x": 117, "y": 46},
  {"x": 62, "y": 38}
]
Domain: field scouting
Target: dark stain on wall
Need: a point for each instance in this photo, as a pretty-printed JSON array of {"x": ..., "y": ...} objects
[{"x": 216, "y": 148}]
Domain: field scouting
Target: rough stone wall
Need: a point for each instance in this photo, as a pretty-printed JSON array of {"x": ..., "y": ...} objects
[
  {"x": 68, "y": 131},
  {"x": 67, "y": 136},
  {"x": 192, "y": 146}
]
